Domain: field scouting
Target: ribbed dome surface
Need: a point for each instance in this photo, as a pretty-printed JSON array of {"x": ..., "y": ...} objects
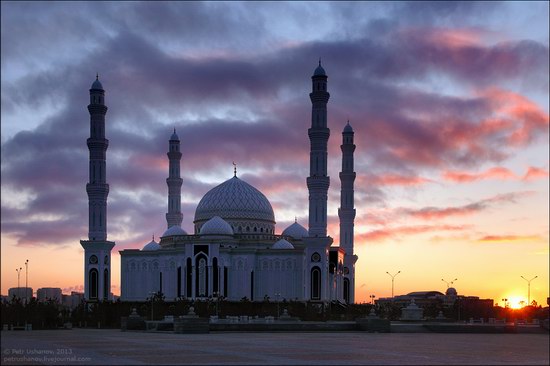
[
  {"x": 216, "y": 226},
  {"x": 296, "y": 231},
  {"x": 174, "y": 230},
  {"x": 235, "y": 199},
  {"x": 152, "y": 245},
  {"x": 282, "y": 244},
  {"x": 97, "y": 85}
]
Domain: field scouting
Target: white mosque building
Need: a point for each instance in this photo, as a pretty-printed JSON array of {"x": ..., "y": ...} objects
[{"x": 234, "y": 251}]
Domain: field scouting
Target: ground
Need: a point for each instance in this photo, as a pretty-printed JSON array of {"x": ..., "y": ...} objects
[{"x": 113, "y": 347}]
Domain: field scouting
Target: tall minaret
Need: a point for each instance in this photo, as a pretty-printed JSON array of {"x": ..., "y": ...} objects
[
  {"x": 174, "y": 216},
  {"x": 346, "y": 212},
  {"x": 318, "y": 181},
  {"x": 97, "y": 250}
]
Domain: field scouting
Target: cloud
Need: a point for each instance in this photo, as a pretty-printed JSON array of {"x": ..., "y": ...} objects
[
  {"x": 510, "y": 239},
  {"x": 491, "y": 173},
  {"x": 534, "y": 173},
  {"x": 400, "y": 231},
  {"x": 431, "y": 213},
  {"x": 237, "y": 89}
]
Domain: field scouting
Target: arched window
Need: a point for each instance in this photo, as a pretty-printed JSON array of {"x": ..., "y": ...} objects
[
  {"x": 106, "y": 284},
  {"x": 215, "y": 276},
  {"x": 189, "y": 277},
  {"x": 201, "y": 276},
  {"x": 346, "y": 290},
  {"x": 315, "y": 283},
  {"x": 92, "y": 277}
]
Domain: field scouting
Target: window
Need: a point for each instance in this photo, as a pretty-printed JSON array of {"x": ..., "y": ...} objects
[
  {"x": 92, "y": 277},
  {"x": 315, "y": 283}
]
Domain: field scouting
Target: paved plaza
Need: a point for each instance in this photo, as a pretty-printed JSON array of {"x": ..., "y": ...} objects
[{"x": 113, "y": 347}]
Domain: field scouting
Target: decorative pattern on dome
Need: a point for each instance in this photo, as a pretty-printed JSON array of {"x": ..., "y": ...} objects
[
  {"x": 216, "y": 226},
  {"x": 296, "y": 231},
  {"x": 235, "y": 199},
  {"x": 152, "y": 245},
  {"x": 174, "y": 230},
  {"x": 282, "y": 244}
]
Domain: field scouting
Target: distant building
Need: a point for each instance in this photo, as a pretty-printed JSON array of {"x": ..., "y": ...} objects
[
  {"x": 429, "y": 298},
  {"x": 73, "y": 300},
  {"x": 23, "y": 293},
  {"x": 49, "y": 293}
]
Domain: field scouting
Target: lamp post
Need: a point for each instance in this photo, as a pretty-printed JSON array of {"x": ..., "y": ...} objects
[
  {"x": 372, "y": 299},
  {"x": 277, "y": 295},
  {"x": 528, "y": 289},
  {"x": 18, "y": 270},
  {"x": 152, "y": 300},
  {"x": 26, "y": 280},
  {"x": 505, "y": 302},
  {"x": 392, "y": 279},
  {"x": 449, "y": 283}
]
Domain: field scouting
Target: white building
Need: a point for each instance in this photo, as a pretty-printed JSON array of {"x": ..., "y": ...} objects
[
  {"x": 49, "y": 293},
  {"x": 23, "y": 293},
  {"x": 235, "y": 250}
]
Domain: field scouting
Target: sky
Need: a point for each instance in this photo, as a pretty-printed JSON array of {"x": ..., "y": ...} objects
[{"x": 448, "y": 100}]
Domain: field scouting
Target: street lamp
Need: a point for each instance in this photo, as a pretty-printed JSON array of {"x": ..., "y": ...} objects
[
  {"x": 277, "y": 295},
  {"x": 372, "y": 299},
  {"x": 152, "y": 299},
  {"x": 505, "y": 302},
  {"x": 26, "y": 279},
  {"x": 528, "y": 289},
  {"x": 392, "y": 278},
  {"x": 449, "y": 283},
  {"x": 18, "y": 270}
]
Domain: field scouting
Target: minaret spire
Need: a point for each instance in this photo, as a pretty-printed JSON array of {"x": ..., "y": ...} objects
[
  {"x": 174, "y": 217},
  {"x": 97, "y": 250},
  {"x": 318, "y": 180},
  {"x": 346, "y": 212}
]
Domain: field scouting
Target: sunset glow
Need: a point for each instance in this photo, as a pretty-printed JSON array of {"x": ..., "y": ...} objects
[{"x": 449, "y": 103}]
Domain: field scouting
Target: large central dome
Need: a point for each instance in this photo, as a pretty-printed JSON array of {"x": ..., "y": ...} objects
[{"x": 244, "y": 207}]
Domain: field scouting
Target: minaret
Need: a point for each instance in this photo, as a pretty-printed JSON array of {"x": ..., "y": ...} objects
[
  {"x": 346, "y": 212},
  {"x": 174, "y": 216},
  {"x": 97, "y": 250},
  {"x": 318, "y": 181}
]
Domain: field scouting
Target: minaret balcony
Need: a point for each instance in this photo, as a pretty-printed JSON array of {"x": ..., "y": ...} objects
[
  {"x": 97, "y": 109},
  {"x": 99, "y": 189}
]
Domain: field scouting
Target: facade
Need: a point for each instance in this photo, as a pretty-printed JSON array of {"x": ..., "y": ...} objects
[
  {"x": 23, "y": 293},
  {"x": 234, "y": 250},
  {"x": 49, "y": 293}
]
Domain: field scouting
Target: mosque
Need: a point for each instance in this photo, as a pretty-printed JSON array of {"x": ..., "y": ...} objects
[{"x": 235, "y": 250}]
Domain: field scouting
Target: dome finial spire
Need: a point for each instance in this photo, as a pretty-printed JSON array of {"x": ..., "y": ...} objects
[
  {"x": 97, "y": 76},
  {"x": 319, "y": 61},
  {"x": 234, "y": 169},
  {"x": 295, "y": 219}
]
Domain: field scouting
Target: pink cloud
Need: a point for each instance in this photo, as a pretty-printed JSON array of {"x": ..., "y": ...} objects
[
  {"x": 534, "y": 173},
  {"x": 491, "y": 173},
  {"x": 387, "y": 233}
]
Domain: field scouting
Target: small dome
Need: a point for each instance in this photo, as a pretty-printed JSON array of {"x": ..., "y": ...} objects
[
  {"x": 282, "y": 244},
  {"x": 348, "y": 128},
  {"x": 451, "y": 291},
  {"x": 97, "y": 85},
  {"x": 152, "y": 245},
  {"x": 174, "y": 230},
  {"x": 296, "y": 231},
  {"x": 174, "y": 136},
  {"x": 319, "y": 71},
  {"x": 216, "y": 226}
]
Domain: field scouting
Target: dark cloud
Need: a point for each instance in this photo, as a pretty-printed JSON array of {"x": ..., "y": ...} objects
[{"x": 168, "y": 65}]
